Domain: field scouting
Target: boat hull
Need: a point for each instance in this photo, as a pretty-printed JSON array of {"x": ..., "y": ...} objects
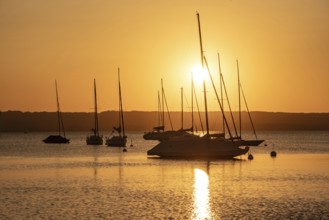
[
  {"x": 56, "y": 139},
  {"x": 94, "y": 140},
  {"x": 250, "y": 142},
  {"x": 195, "y": 147},
  {"x": 165, "y": 135},
  {"x": 155, "y": 136},
  {"x": 116, "y": 141}
]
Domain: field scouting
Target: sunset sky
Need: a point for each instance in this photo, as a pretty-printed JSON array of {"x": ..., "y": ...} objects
[{"x": 282, "y": 47}]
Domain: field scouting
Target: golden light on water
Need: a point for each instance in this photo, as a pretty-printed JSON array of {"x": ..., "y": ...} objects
[{"x": 201, "y": 195}]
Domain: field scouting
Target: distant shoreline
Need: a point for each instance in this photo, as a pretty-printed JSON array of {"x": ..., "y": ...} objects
[{"x": 17, "y": 121}]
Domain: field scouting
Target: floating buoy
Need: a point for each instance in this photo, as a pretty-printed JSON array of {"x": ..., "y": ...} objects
[
  {"x": 250, "y": 157},
  {"x": 131, "y": 145},
  {"x": 124, "y": 150},
  {"x": 265, "y": 145},
  {"x": 273, "y": 153}
]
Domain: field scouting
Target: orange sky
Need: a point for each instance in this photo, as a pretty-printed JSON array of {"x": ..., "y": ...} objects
[{"x": 282, "y": 47}]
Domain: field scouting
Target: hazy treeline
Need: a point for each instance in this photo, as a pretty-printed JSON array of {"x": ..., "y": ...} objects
[{"x": 16, "y": 121}]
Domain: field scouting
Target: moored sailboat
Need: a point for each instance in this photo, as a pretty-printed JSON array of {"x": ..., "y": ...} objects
[
  {"x": 119, "y": 140},
  {"x": 207, "y": 146},
  {"x": 238, "y": 137},
  {"x": 57, "y": 139},
  {"x": 256, "y": 141},
  {"x": 95, "y": 138},
  {"x": 192, "y": 146},
  {"x": 159, "y": 133}
]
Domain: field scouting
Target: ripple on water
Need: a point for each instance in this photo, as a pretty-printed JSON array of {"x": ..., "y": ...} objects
[{"x": 103, "y": 183}]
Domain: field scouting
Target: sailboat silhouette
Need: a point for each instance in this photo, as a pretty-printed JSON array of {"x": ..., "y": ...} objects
[
  {"x": 58, "y": 139},
  {"x": 95, "y": 138},
  {"x": 119, "y": 140},
  {"x": 159, "y": 133},
  {"x": 207, "y": 146}
]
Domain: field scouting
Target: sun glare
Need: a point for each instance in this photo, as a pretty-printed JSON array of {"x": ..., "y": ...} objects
[{"x": 199, "y": 74}]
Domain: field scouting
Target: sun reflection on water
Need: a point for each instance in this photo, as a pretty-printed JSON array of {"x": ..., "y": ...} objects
[{"x": 201, "y": 195}]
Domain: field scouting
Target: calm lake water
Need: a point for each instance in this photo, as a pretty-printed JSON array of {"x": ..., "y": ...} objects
[{"x": 76, "y": 181}]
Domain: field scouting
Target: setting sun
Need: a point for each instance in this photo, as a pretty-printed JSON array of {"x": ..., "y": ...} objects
[{"x": 199, "y": 74}]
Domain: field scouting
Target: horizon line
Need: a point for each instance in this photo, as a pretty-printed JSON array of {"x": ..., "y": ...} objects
[{"x": 148, "y": 111}]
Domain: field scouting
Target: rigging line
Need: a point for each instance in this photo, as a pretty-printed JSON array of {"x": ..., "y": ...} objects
[
  {"x": 164, "y": 96},
  {"x": 95, "y": 107},
  {"x": 229, "y": 106},
  {"x": 197, "y": 106},
  {"x": 60, "y": 119},
  {"x": 245, "y": 101},
  {"x": 119, "y": 132},
  {"x": 218, "y": 100},
  {"x": 239, "y": 94},
  {"x": 158, "y": 115},
  {"x": 182, "y": 110},
  {"x": 189, "y": 107},
  {"x": 204, "y": 82},
  {"x": 58, "y": 114},
  {"x": 186, "y": 100},
  {"x": 221, "y": 90},
  {"x": 162, "y": 101},
  {"x": 121, "y": 109},
  {"x": 192, "y": 110}
]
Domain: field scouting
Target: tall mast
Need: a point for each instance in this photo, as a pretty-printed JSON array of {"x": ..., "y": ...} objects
[
  {"x": 192, "y": 86},
  {"x": 221, "y": 90},
  {"x": 204, "y": 81},
  {"x": 121, "y": 121},
  {"x": 162, "y": 100},
  {"x": 237, "y": 64},
  {"x": 159, "y": 111},
  {"x": 96, "y": 114},
  {"x": 182, "y": 113},
  {"x": 119, "y": 102},
  {"x": 58, "y": 113}
]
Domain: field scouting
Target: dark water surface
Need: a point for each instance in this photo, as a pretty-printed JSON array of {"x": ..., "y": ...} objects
[{"x": 76, "y": 181}]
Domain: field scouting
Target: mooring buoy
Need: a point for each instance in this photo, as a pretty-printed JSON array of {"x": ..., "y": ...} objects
[
  {"x": 273, "y": 153},
  {"x": 250, "y": 157}
]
